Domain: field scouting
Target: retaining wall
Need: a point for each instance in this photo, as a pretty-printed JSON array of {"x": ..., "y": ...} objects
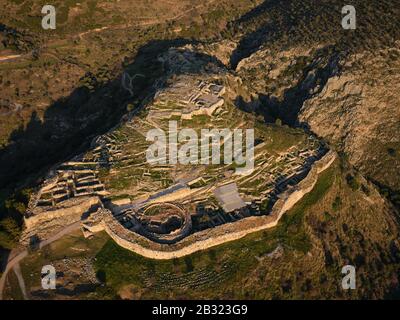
[{"x": 220, "y": 234}]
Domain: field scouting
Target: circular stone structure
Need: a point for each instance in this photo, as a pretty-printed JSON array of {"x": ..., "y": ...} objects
[{"x": 163, "y": 222}]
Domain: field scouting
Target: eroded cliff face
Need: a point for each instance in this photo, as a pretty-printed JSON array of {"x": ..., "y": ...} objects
[
  {"x": 304, "y": 68},
  {"x": 358, "y": 110}
]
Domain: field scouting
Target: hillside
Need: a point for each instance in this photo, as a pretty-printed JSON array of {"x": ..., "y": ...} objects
[
  {"x": 340, "y": 84},
  {"x": 73, "y": 135},
  {"x": 300, "y": 259},
  {"x": 54, "y": 83}
]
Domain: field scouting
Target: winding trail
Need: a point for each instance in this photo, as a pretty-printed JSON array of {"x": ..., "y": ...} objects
[
  {"x": 150, "y": 22},
  {"x": 124, "y": 26},
  {"x": 21, "y": 282},
  {"x": 14, "y": 261},
  {"x": 10, "y": 57}
]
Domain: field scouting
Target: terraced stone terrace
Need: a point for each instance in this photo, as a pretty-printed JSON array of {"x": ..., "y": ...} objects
[
  {"x": 77, "y": 178},
  {"x": 188, "y": 197}
]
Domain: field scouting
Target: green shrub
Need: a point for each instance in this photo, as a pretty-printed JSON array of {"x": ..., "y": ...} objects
[
  {"x": 391, "y": 152},
  {"x": 336, "y": 205},
  {"x": 365, "y": 189},
  {"x": 352, "y": 182},
  {"x": 10, "y": 232}
]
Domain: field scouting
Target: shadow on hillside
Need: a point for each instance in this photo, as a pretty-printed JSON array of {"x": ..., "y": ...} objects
[
  {"x": 314, "y": 79},
  {"x": 288, "y": 24},
  {"x": 69, "y": 124},
  {"x": 4, "y": 255},
  {"x": 297, "y": 23},
  {"x": 253, "y": 40}
]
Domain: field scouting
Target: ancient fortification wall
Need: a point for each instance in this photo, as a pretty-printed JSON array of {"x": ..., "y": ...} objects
[
  {"x": 218, "y": 235},
  {"x": 72, "y": 209}
]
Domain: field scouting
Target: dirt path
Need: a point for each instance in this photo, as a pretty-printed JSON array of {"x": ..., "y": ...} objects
[
  {"x": 146, "y": 23},
  {"x": 10, "y": 57},
  {"x": 124, "y": 26},
  {"x": 14, "y": 262},
  {"x": 80, "y": 35},
  {"x": 21, "y": 282}
]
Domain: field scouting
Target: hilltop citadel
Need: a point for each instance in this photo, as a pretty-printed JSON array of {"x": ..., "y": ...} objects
[{"x": 168, "y": 207}]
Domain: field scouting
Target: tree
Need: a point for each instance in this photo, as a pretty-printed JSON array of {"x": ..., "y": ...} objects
[
  {"x": 352, "y": 182},
  {"x": 10, "y": 232},
  {"x": 130, "y": 107},
  {"x": 337, "y": 204}
]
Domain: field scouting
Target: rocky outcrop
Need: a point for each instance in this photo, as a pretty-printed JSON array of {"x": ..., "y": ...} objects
[{"x": 359, "y": 112}]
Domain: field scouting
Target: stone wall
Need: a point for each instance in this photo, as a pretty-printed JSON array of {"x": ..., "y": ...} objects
[
  {"x": 218, "y": 235},
  {"x": 73, "y": 208}
]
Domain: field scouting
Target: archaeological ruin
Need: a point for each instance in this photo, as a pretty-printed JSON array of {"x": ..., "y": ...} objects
[{"x": 164, "y": 211}]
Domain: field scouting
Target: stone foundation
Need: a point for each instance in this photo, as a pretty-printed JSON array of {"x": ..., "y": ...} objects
[
  {"x": 203, "y": 240},
  {"x": 51, "y": 221}
]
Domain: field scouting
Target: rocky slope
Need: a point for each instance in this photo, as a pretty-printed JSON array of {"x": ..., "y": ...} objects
[
  {"x": 301, "y": 258},
  {"x": 299, "y": 66},
  {"x": 304, "y": 68},
  {"x": 359, "y": 111}
]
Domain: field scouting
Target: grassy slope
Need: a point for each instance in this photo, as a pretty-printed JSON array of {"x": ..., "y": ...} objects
[
  {"x": 309, "y": 267},
  {"x": 123, "y": 267},
  {"x": 73, "y": 246},
  {"x": 317, "y": 238},
  {"x": 12, "y": 290}
]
